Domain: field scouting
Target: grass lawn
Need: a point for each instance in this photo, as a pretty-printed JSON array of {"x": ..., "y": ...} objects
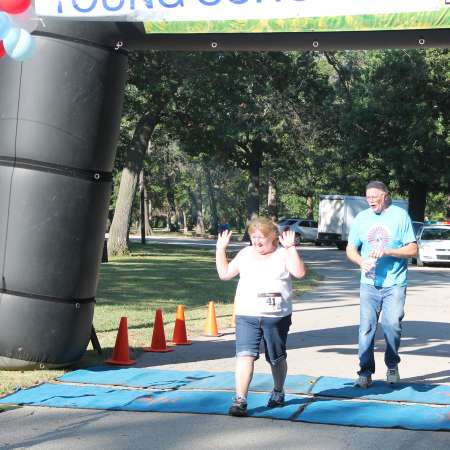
[{"x": 153, "y": 276}]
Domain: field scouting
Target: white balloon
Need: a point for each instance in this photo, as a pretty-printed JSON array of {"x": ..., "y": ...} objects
[{"x": 19, "y": 44}]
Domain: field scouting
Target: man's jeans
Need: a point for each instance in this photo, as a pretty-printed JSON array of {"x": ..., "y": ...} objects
[{"x": 374, "y": 300}]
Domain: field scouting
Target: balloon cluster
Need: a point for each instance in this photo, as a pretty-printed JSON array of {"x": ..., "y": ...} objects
[{"x": 15, "y": 38}]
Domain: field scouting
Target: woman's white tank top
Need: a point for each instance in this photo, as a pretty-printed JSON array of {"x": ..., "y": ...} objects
[{"x": 265, "y": 286}]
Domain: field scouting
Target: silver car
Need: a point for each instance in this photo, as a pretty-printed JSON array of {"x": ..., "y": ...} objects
[{"x": 305, "y": 229}]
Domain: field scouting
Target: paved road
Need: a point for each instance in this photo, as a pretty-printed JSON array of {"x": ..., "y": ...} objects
[{"x": 323, "y": 341}]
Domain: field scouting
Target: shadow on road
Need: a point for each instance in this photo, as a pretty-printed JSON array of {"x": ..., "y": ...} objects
[{"x": 419, "y": 338}]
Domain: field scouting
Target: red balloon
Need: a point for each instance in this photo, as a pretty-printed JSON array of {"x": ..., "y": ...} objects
[
  {"x": 14, "y": 6},
  {"x": 2, "y": 50}
]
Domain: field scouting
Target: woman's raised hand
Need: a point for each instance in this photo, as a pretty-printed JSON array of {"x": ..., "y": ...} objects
[
  {"x": 287, "y": 239},
  {"x": 223, "y": 239}
]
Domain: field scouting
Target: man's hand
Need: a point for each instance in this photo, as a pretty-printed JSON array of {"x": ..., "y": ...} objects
[
  {"x": 407, "y": 251},
  {"x": 378, "y": 253},
  {"x": 223, "y": 239},
  {"x": 368, "y": 264}
]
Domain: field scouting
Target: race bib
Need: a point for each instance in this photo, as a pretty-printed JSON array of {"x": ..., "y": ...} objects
[{"x": 270, "y": 302}]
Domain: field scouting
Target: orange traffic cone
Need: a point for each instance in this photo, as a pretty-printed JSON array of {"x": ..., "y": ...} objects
[
  {"x": 211, "y": 321},
  {"x": 158, "y": 338},
  {"x": 120, "y": 354},
  {"x": 179, "y": 332}
]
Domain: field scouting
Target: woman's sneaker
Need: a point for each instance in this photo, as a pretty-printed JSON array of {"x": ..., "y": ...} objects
[
  {"x": 392, "y": 376},
  {"x": 363, "y": 381},
  {"x": 238, "y": 407},
  {"x": 276, "y": 399}
]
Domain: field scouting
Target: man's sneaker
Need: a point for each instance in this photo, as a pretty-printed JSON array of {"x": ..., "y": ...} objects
[
  {"x": 392, "y": 376},
  {"x": 276, "y": 399},
  {"x": 363, "y": 381},
  {"x": 238, "y": 408}
]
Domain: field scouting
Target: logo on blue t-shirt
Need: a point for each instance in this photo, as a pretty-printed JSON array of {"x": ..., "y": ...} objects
[{"x": 378, "y": 236}]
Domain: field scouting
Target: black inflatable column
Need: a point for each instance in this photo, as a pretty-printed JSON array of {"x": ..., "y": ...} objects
[{"x": 59, "y": 123}]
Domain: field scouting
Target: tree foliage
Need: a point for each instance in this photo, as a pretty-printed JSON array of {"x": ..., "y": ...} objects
[{"x": 215, "y": 137}]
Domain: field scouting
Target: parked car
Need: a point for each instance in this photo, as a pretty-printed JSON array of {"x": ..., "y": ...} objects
[
  {"x": 417, "y": 227},
  {"x": 434, "y": 244},
  {"x": 305, "y": 229}
]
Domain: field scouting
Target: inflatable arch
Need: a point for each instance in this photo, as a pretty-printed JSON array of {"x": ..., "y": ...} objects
[{"x": 59, "y": 123}]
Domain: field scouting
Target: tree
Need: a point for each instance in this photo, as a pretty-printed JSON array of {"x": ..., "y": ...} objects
[
  {"x": 235, "y": 109},
  {"x": 306, "y": 135},
  {"x": 398, "y": 121},
  {"x": 153, "y": 79}
]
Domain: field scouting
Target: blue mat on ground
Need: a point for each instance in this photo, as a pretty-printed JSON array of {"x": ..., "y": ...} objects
[
  {"x": 402, "y": 392},
  {"x": 70, "y": 396},
  {"x": 297, "y": 408},
  {"x": 295, "y": 384},
  {"x": 177, "y": 379},
  {"x": 136, "y": 377},
  {"x": 376, "y": 415}
]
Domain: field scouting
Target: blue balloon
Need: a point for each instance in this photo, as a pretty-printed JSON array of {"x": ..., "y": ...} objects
[
  {"x": 5, "y": 25},
  {"x": 19, "y": 44}
]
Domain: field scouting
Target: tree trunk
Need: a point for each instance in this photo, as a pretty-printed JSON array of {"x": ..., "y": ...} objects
[
  {"x": 417, "y": 201},
  {"x": 147, "y": 213},
  {"x": 309, "y": 206},
  {"x": 142, "y": 205},
  {"x": 272, "y": 204},
  {"x": 168, "y": 219},
  {"x": 185, "y": 229},
  {"x": 172, "y": 213},
  {"x": 118, "y": 243},
  {"x": 200, "y": 227},
  {"x": 118, "y": 233},
  {"x": 196, "y": 199},
  {"x": 253, "y": 190},
  {"x": 447, "y": 215},
  {"x": 212, "y": 201}
]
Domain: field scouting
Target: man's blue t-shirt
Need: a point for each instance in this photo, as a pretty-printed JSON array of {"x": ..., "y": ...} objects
[{"x": 390, "y": 229}]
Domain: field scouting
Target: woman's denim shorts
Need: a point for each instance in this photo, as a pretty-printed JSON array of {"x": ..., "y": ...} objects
[{"x": 272, "y": 330}]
